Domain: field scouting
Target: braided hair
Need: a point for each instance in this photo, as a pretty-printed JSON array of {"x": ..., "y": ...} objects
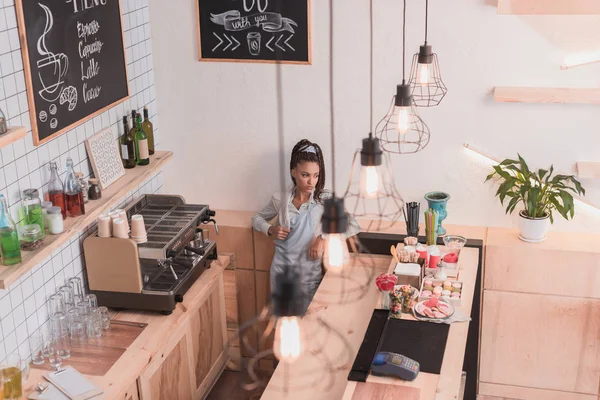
[{"x": 300, "y": 155}]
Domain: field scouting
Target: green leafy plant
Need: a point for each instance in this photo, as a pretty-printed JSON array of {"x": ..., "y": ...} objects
[{"x": 539, "y": 192}]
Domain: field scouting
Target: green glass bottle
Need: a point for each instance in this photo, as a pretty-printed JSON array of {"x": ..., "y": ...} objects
[
  {"x": 149, "y": 131},
  {"x": 127, "y": 146},
  {"x": 141, "y": 143},
  {"x": 9, "y": 238}
]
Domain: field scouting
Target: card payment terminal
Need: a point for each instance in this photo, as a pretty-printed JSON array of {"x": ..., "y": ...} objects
[{"x": 392, "y": 364}]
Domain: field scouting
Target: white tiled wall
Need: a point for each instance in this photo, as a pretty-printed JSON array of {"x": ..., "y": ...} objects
[{"x": 23, "y": 306}]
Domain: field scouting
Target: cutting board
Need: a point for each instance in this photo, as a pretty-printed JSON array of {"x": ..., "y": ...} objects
[{"x": 97, "y": 356}]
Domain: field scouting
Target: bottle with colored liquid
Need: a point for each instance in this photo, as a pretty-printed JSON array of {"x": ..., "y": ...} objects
[
  {"x": 56, "y": 190},
  {"x": 149, "y": 131},
  {"x": 31, "y": 209},
  {"x": 73, "y": 192},
  {"x": 9, "y": 238},
  {"x": 127, "y": 146},
  {"x": 141, "y": 143}
]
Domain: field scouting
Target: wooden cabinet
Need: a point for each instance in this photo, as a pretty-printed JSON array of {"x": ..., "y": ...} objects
[
  {"x": 207, "y": 332},
  {"x": 192, "y": 359},
  {"x": 169, "y": 375},
  {"x": 525, "y": 343}
]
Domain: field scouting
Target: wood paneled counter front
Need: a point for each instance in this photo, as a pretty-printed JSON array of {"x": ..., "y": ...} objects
[
  {"x": 179, "y": 356},
  {"x": 353, "y": 320}
]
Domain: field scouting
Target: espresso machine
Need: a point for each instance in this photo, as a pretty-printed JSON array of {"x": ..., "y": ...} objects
[{"x": 154, "y": 275}]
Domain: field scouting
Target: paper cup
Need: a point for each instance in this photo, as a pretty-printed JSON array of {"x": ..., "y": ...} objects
[
  {"x": 104, "y": 226},
  {"x": 138, "y": 228},
  {"x": 120, "y": 229}
]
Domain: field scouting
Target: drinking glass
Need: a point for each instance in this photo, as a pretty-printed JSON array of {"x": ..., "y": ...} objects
[
  {"x": 47, "y": 340},
  {"x": 36, "y": 342},
  {"x": 104, "y": 317},
  {"x": 91, "y": 301},
  {"x": 61, "y": 338},
  {"x": 11, "y": 374},
  {"x": 57, "y": 305},
  {"x": 75, "y": 283},
  {"x": 95, "y": 324},
  {"x": 76, "y": 326},
  {"x": 54, "y": 358},
  {"x": 66, "y": 291}
]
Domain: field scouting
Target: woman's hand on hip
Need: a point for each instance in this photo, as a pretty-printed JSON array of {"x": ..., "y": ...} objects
[
  {"x": 279, "y": 232},
  {"x": 315, "y": 251}
]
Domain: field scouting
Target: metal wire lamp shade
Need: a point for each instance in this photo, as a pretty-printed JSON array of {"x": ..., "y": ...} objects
[
  {"x": 414, "y": 133},
  {"x": 428, "y": 88},
  {"x": 381, "y": 208}
]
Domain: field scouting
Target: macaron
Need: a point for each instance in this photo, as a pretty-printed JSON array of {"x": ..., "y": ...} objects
[
  {"x": 456, "y": 287},
  {"x": 426, "y": 293},
  {"x": 446, "y": 293},
  {"x": 430, "y": 288},
  {"x": 447, "y": 298},
  {"x": 437, "y": 290},
  {"x": 427, "y": 282},
  {"x": 447, "y": 285},
  {"x": 437, "y": 284},
  {"x": 455, "y": 295}
]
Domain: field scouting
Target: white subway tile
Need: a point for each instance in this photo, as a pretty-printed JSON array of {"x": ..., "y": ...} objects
[
  {"x": 19, "y": 314},
  {"x": 29, "y": 306},
  {"x": 16, "y": 295},
  {"x": 27, "y": 287},
  {"x": 10, "y": 343}
]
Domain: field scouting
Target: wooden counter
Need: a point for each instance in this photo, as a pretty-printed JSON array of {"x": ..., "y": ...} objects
[
  {"x": 176, "y": 356},
  {"x": 353, "y": 319}
]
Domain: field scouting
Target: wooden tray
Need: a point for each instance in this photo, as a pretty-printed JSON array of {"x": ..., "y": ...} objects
[{"x": 97, "y": 356}]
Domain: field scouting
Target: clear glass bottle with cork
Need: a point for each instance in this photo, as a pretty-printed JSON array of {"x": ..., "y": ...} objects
[{"x": 73, "y": 192}]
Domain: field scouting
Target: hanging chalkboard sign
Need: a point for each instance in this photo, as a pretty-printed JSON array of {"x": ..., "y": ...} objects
[
  {"x": 74, "y": 61},
  {"x": 254, "y": 30}
]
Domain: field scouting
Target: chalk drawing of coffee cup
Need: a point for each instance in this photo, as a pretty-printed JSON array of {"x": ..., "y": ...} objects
[
  {"x": 254, "y": 43},
  {"x": 52, "y": 67}
]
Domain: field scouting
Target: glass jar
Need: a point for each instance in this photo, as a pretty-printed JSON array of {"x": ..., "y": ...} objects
[
  {"x": 9, "y": 238},
  {"x": 84, "y": 185},
  {"x": 55, "y": 221},
  {"x": 3, "y": 125},
  {"x": 94, "y": 193},
  {"x": 31, "y": 209},
  {"x": 31, "y": 237}
]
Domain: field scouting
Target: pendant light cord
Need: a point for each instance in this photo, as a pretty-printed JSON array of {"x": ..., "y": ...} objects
[
  {"x": 404, "y": 45},
  {"x": 371, "y": 69},
  {"x": 331, "y": 104},
  {"x": 280, "y": 124},
  {"x": 426, "y": 18}
]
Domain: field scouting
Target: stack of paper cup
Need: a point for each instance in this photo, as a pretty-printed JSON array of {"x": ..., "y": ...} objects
[
  {"x": 138, "y": 229},
  {"x": 122, "y": 214},
  {"x": 120, "y": 229},
  {"x": 104, "y": 226}
]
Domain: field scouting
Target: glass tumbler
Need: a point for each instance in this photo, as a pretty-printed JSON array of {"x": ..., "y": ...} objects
[
  {"x": 76, "y": 326},
  {"x": 75, "y": 283},
  {"x": 11, "y": 376},
  {"x": 95, "y": 324},
  {"x": 105, "y": 318},
  {"x": 62, "y": 338},
  {"x": 57, "y": 306},
  {"x": 91, "y": 301},
  {"x": 66, "y": 291},
  {"x": 36, "y": 342}
]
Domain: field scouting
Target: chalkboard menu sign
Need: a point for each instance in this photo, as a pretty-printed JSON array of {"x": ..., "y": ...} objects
[
  {"x": 254, "y": 30},
  {"x": 74, "y": 61}
]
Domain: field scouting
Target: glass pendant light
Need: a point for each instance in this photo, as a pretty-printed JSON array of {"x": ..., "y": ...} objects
[
  {"x": 402, "y": 131},
  {"x": 373, "y": 196},
  {"x": 428, "y": 89},
  {"x": 288, "y": 307},
  {"x": 335, "y": 224}
]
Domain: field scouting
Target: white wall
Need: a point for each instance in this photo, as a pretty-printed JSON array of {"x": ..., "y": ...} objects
[
  {"x": 23, "y": 306},
  {"x": 220, "y": 117}
]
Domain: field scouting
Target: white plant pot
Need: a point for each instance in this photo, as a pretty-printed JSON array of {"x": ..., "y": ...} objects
[{"x": 533, "y": 230}]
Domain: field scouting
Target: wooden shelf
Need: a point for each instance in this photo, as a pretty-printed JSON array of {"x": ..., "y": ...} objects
[
  {"x": 549, "y": 7},
  {"x": 14, "y": 133},
  {"x": 588, "y": 170},
  {"x": 110, "y": 198},
  {"x": 546, "y": 95}
]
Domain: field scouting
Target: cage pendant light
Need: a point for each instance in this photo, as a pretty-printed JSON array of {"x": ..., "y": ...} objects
[
  {"x": 402, "y": 131},
  {"x": 428, "y": 88},
  {"x": 371, "y": 193}
]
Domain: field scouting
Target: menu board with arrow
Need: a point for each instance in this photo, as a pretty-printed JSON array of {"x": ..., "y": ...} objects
[
  {"x": 254, "y": 30},
  {"x": 74, "y": 61}
]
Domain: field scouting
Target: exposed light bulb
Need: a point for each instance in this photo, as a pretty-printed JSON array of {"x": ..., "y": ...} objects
[
  {"x": 423, "y": 73},
  {"x": 403, "y": 119},
  {"x": 371, "y": 184},
  {"x": 288, "y": 344},
  {"x": 336, "y": 255}
]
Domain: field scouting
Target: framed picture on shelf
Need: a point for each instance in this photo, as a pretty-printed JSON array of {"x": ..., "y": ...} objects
[{"x": 105, "y": 158}]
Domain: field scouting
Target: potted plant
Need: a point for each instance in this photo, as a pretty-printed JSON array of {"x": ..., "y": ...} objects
[{"x": 539, "y": 192}]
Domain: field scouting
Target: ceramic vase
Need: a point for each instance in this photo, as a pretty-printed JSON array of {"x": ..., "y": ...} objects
[{"x": 438, "y": 202}]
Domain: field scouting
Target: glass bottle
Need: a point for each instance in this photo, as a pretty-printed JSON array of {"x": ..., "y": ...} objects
[
  {"x": 127, "y": 146},
  {"x": 84, "y": 185},
  {"x": 148, "y": 129},
  {"x": 141, "y": 143},
  {"x": 31, "y": 209},
  {"x": 9, "y": 237},
  {"x": 94, "y": 193},
  {"x": 56, "y": 190},
  {"x": 73, "y": 192}
]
